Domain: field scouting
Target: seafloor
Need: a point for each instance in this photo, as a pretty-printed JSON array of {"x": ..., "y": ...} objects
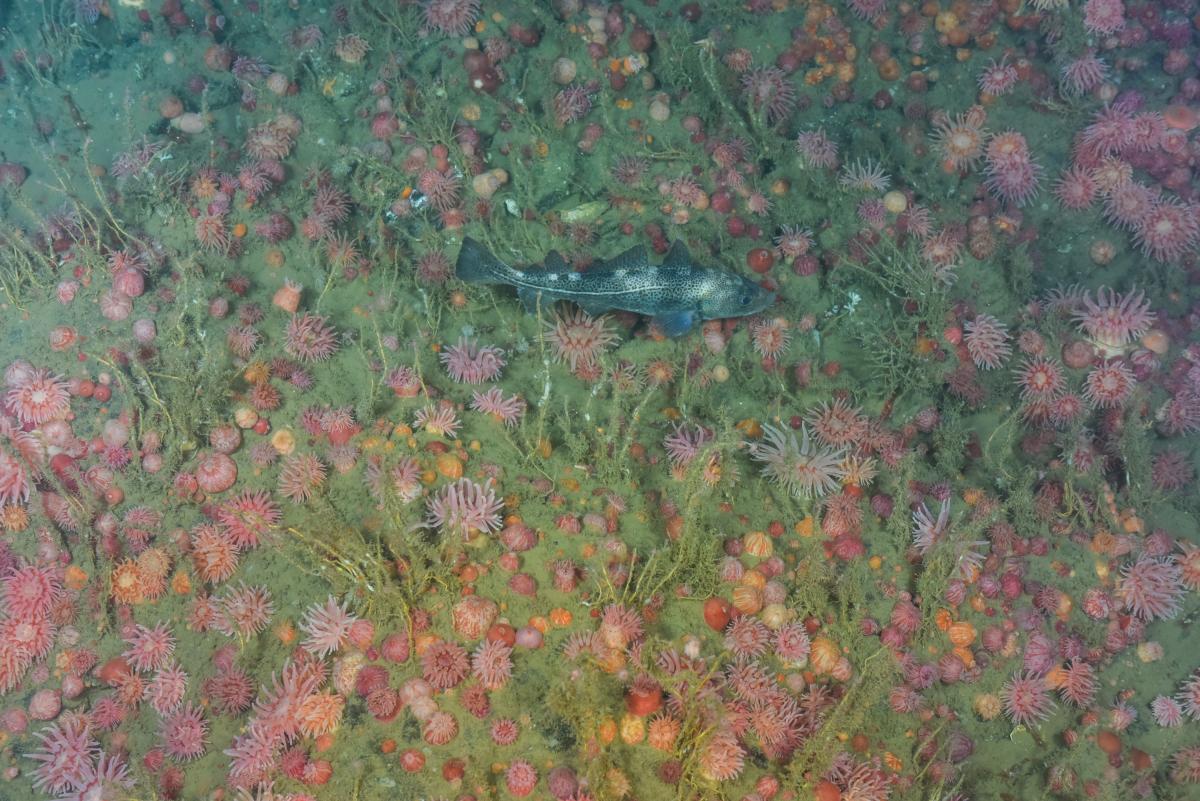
[{"x": 287, "y": 511}]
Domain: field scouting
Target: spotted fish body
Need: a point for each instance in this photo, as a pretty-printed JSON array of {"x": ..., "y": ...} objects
[{"x": 676, "y": 293}]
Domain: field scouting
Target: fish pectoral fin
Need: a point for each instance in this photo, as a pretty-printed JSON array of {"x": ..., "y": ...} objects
[
  {"x": 594, "y": 307},
  {"x": 675, "y": 324},
  {"x": 532, "y": 298},
  {"x": 678, "y": 255}
]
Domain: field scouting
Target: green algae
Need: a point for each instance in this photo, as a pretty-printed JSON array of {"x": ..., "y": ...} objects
[{"x": 342, "y": 554}]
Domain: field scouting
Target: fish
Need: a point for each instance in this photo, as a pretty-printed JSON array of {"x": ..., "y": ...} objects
[{"x": 675, "y": 294}]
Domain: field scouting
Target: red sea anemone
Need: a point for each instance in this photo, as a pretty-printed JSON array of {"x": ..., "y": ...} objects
[
  {"x": 215, "y": 472},
  {"x": 451, "y": 17},
  {"x": 444, "y": 664},
  {"x": 310, "y": 338}
]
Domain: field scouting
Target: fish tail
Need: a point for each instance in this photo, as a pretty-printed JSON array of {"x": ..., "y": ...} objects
[{"x": 478, "y": 266}]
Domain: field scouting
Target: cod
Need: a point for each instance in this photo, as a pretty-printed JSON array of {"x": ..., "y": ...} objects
[{"x": 674, "y": 294}]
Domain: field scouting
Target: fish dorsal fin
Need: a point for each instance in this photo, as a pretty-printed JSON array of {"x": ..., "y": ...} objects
[
  {"x": 555, "y": 263},
  {"x": 634, "y": 257},
  {"x": 678, "y": 255}
]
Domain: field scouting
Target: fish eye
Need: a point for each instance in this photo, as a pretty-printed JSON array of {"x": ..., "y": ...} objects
[{"x": 745, "y": 300}]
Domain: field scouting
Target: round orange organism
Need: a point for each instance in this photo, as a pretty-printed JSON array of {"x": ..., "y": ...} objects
[
  {"x": 824, "y": 654},
  {"x": 127, "y": 584},
  {"x": 674, "y": 527},
  {"x": 75, "y": 578},
  {"x": 14, "y": 518},
  {"x": 747, "y": 599},
  {"x": 987, "y": 706},
  {"x": 1055, "y": 677},
  {"x": 717, "y": 612},
  {"x": 826, "y": 790},
  {"x": 287, "y": 297},
  {"x": 502, "y": 632},
  {"x": 961, "y": 633},
  {"x": 285, "y": 632},
  {"x": 181, "y": 583},
  {"x": 449, "y": 465},
  {"x": 256, "y": 372},
  {"x": 662, "y": 732},
  {"x": 758, "y": 544},
  {"x": 1181, "y": 117},
  {"x": 112, "y": 671},
  {"x": 643, "y": 699},
  {"x": 942, "y": 619},
  {"x": 753, "y": 578},
  {"x": 1108, "y": 742}
]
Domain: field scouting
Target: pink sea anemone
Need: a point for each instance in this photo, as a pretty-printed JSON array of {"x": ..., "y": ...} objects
[
  {"x": 1109, "y": 384},
  {"x": 66, "y": 751},
  {"x": 215, "y": 472},
  {"x": 492, "y": 664},
  {"x": 507, "y": 409},
  {"x": 521, "y": 778},
  {"x": 577, "y": 338},
  {"x": 464, "y": 507},
  {"x": 443, "y": 191},
  {"x": 165, "y": 691},
  {"x": 1012, "y": 175},
  {"x": 1075, "y": 188},
  {"x": 1078, "y": 683},
  {"x": 245, "y": 611},
  {"x": 986, "y": 339},
  {"x": 184, "y": 734},
  {"x": 469, "y": 363},
  {"x": 1026, "y": 700},
  {"x": 1169, "y": 230},
  {"x": 769, "y": 92},
  {"x": 149, "y": 648},
  {"x": 248, "y": 517},
  {"x": 685, "y": 442},
  {"x": 31, "y": 591},
  {"x": 439, "y": 419},
  {"x": 310, "y": 338},
  {"x": 722, "y": 758},
  {"x": 800, "y": 465},
  {"x": 1151, "y": 588},
  {"x": 1112, "y": 319},
  {"x": 327, "y": 626},
  {"x": 747, "y": 636},
  {"x": 14, "y": 479},
  {"x": 38, "y": 396},
  {"x": 301, "y": 477},
  {"x": 817, "y": 150}
]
